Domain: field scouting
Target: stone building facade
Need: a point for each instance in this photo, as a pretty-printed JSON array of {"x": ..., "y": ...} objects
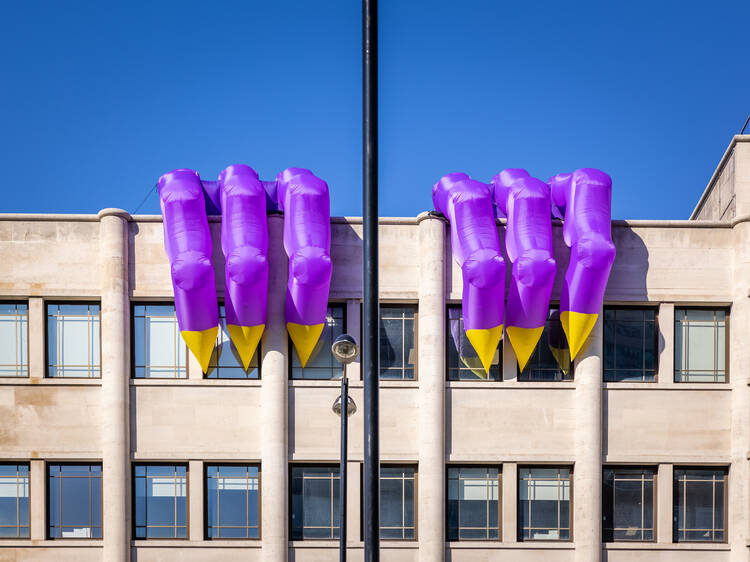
[{"x": 513, "y": 467}]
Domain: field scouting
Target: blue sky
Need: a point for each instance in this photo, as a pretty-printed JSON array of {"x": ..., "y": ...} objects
[{"x": 100, "y": 98}]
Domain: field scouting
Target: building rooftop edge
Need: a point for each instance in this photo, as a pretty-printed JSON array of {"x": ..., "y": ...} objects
[{"x": 717, "y": 172}]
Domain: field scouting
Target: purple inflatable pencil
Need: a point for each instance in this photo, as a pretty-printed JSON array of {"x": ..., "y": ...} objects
[
  {"x": 585, "y": 199},
  {"x": 528, "y": 241},
  {"x": 187, "y": 241},
  {"x": 467, "y": 204},
  {"x": 244, "y": 241},
  {"x": 307, "y": 239}
]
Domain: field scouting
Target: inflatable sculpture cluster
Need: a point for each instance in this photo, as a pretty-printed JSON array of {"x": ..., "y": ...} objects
[
  {"x": 243, "y": 200},
  {"x": 583, "y": 200}
]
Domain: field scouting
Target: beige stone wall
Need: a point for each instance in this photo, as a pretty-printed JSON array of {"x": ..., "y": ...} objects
[{"x": 507, "y": 423}]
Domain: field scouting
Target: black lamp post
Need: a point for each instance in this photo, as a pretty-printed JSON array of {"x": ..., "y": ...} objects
[{"x": 345, "y": 350}]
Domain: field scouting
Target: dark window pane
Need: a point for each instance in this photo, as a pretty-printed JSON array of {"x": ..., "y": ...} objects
[
  {"x": 551, "y": 358},
  {"x": 699, "y": 504},
  {"x": 160, "y": 501},
  {"x": 544, "y": 503},
  {"x": 462, "y": 361},
  {"x": 315, "y": 502},
  {"x": 321, "y": 365},
  {"x": 397, "y": 342},
  {"x": 473, "y": 503},
  {"x": 74, "y": 501},
  {"x": 630, "y": 344}
]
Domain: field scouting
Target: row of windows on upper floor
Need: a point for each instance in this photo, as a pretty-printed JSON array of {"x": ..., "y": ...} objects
[
  {"x": 473, "y": 511},
  {"x": 631, "y": 345}
]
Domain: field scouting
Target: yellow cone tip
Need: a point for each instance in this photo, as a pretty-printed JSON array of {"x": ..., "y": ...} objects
[
  {"x": 524, "y": 342},
  {"x": 245, "y": 340},
  {"x": 304, "y": 338},
  {"x": 485, "y": 343},
  {"x": 201, "y": 344},
  {"x": 577, "y": 327}
]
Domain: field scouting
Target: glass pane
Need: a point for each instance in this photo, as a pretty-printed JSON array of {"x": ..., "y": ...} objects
[
  {"x": 463, "y": 362},
  {"x": 551, "y": 358},
  {"x": 322, "y": 364}
]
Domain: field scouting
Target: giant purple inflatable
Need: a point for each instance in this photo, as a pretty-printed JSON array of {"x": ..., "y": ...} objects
[
  {"x": 307, "y": 239},
  {"x": 528, "y": 242},
  {"x": 467, "y": 204},
  {"x": 244, "y": 241},
  {"x": 187, "y": 241},
  {"x": 585, "y": 200}
]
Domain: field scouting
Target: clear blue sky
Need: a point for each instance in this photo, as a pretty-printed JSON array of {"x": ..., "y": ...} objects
[{"x": 100, "y": 98}]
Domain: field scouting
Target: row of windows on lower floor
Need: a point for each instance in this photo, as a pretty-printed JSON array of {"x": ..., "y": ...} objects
[
  {"x": 631, "y": 345},
  {"x": 474, "y": 502}
]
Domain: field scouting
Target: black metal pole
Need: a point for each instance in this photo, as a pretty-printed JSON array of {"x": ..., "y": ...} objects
[
  {"x": 342, "y": 467},
  {"x": 371, "y": 308}
]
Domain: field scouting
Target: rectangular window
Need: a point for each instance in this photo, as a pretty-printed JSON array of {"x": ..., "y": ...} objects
[
  {"x": 74, "y": 502},
  {"x": 322, "y": 365},
  {"x": 628, "y": 504},
  {"x": 397, "y": 502},
  {"x": 160, "y": 501},
  {"x": 14, "y": 330},
  {"x": 700, "y": 347},
  {"x": 544, "y": 504},
  {"x": 397, "y": 351},
  {"x": 160, "y": 352},
  {"x": 630, "y": 344},
  {"x": 73, "y": 340},
  {"x": 232, "y": 502},
  {"x": 462, "y": 361},
  {"x": 225, "y": 361},
  {"x": 315, "y": 502},
  {"x": 700, "y": 498},
  {"x": 551, "y": 358},
  {"x": 473, "y": 509},
  {"x": 14, "y": 501}
]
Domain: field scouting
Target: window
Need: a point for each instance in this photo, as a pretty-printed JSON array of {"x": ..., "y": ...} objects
[
  {"x": 159, "y": 350},
  {"x": 700, "y": 505},
  {"x": 160, "y": 501},
  {"x": 628, "y": 504},
  {"x": 630, "y": 344},
  {"x": 551, "y": 358},
  {"x": 322, "y": 365},
  {"x": 14, "y": 330},
  {"x": 74, "y": 503},
  {"x": 225, "y": 361},
  {"x": 463, "y": 362},
  {"x": 14, "y": 501},
  {"x": 473, "y": 503},
  {"x": 397, "y": 351},
  {"x": 700, "y": 345},
  {"x": 397, "y": 502},
  {"x": 232, "y": 502},
  {"x": 73, "y": 340},
  {"x": 544, "y": 503},
  {"x": 315, "y": 502}
]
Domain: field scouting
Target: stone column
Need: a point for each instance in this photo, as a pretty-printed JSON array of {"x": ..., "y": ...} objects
[
  {"x": 587, "y": 474},
  {"x": 115, "y": 358},
  {"x": 195, "y": 500},
  {"x": 664, "y": 499},
  {"x": 274, "y": 395},
  {"x": 739, "y": 367},
  {"x": 431, "y": 334},
  {"x": 509, "y": 499}
]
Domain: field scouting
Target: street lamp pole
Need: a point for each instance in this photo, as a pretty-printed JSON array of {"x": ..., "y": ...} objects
[
  {"x": 371, "y": 309},
  {"x": 345, "y": 350}
]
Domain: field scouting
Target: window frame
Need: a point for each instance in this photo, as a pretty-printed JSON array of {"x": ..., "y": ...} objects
[
  {"x": 447, "y": 343},
  {"x": 18, "y": 525},
  {"x": 519, "y": 527},
  {"x": 133, "y": 304},
  {"x": 657, "y": 332},
  {"x": 396, "y": 304},
  {"x": 486, "y": 466},
  {"x": 291, "y": 350},
  {"x": 48, "y": 496},
  {"x": 411, "y": 465},
  {"x": 257, "y": 465},
  {"x": 46, "y": 305},
  {"x": 727, "y": 318},
  {"x": 675, "y": 495},
  {"x": 133, "y": 513},
  {"x": 28, "y": 314},
  {"x": 655, "y": 481},
  {"x": 292, "y": 466},
  {"x": 258, "y": 352}
]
